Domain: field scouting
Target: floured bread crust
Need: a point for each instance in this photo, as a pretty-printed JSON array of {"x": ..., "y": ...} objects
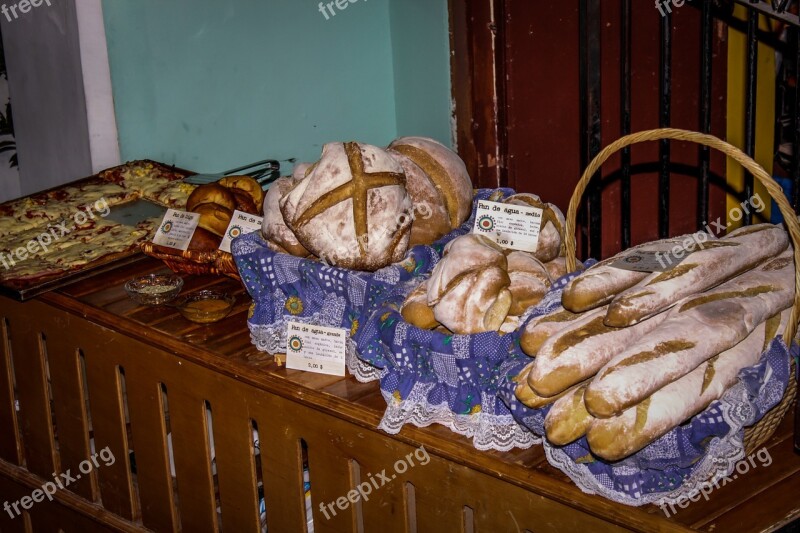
[
  {"x": 277, "y": 234},
  {"x": 352, "y": 209}
]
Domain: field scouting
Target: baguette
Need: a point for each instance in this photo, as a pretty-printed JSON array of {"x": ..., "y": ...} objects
[
  {"x": 579, "y": 350},
  {"x": 528, "y": 396},
  {"x": 620, "y": 436},
  {"x": 697, "y": 329},
  {"x": 538, "y": 330},
  {"x": 568, "y": 420},
  {"x": 715, "y": 262},
  {"x": 601, "y": 282}
]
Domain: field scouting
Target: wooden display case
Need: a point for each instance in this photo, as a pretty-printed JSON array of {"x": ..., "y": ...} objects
[{"x": 91, "y": 369}]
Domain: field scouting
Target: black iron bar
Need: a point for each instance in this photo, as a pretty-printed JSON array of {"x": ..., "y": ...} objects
[
  {"x": 664, "y": 115},
  {"x": 751, "y": 93},
  {"x": 590, "y": 26},
  {"x": 625, "y": 120},
  {"x": 705, "y": 111}
]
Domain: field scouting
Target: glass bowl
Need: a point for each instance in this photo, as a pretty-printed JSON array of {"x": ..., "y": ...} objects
[
  {"x": 155, "y": 289},
  {"x": 205, "y": 307}
]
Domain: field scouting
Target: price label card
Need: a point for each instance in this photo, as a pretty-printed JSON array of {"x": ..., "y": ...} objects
[
  {"x": 316, "y": 349},
  {"x": 176, "y": 229},
  {"x": 241, "y": 224},
  {"x": 511, "y": 226}
]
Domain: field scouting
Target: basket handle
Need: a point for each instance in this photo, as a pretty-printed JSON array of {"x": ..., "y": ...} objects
[{"x": 731, "y": 151}]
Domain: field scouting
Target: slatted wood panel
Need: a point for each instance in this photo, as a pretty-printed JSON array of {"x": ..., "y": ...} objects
[
  {"x": 460, "y": 489},
  {"x": 28, "y": 353},
  {"x": 69, "y": 406},
  {"x": 10, "y": 449}
]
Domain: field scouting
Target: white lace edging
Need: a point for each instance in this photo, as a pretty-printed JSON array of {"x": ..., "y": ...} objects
[
  {"x": 272, "y": 339},
  {"x": 488, "y": 431},
  {"x": 718, "y": 463}
]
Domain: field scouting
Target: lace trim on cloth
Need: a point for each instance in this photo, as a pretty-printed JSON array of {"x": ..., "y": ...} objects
[
  {"x": 272, "y": 339},
  {"x": 488, "y": 430},
  {"x": 718, "y": 463}
]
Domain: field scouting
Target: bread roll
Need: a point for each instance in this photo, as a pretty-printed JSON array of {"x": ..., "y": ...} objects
[
  {"x": 568, "y": 420},
  {"x": 211, "y": 193},
  {"x": 461, "y": 255},
  {"x": 416, "y": 311},
  {"x": 551, "y": 232},
  {"x": 620, "y": 436},
  {"x": 431, "y": 218},
  {"x": 697, "y": 329},
  {"x": 476, "y": 302},
  {"x": 244, "y": 202},
  {"x": 557, "y": 268},
  {"x": 301, "y": 170},
  {"x": 446, "y": 171},
  {"x": 528, "y": 396},
  {"x": 601, "y": 282},
  {"x": 214, "y": 218},
  {"x": 509, "y": 326},
  {"x": 578, "y": 351},
  {"x": 538, "y": 330},
  {"x": 247, "y": 185},
  {"x": 714, "y": 263},
  {"x": 349, "y": 210},
  {"x": 204, "y": 241},
  {"x": 529, "y": 281},
  {"x": 277, "y": 234}
]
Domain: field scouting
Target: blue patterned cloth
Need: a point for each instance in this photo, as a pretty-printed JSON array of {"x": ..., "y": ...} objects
[
  {"x": 286, "y": 288},
  {"x": 680, "y": 455}
]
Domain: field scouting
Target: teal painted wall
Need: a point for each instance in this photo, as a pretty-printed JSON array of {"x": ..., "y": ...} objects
[
  {"x": 209, "y": 84},
  {"x": 421, "y": 54}
]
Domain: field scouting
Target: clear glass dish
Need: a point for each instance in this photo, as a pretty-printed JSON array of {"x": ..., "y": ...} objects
[{"x": 154, "y": 289}]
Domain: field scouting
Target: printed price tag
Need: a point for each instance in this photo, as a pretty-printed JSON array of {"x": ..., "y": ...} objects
[
  {"x": 241, "y": 224},
  {"x": 511, "y": 226},
  {"x": 316, "y": 349},
  {"x": 664, "y": 256},
  {"x": 176, "y": 229}
]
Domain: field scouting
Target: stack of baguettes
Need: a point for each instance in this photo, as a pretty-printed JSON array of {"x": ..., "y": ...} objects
[{"x": 632, "y": 355}]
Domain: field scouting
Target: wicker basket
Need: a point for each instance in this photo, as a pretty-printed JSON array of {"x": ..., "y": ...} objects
[
  {"x": 215, "y": 263},
  {"x": 759, "y": 433}
]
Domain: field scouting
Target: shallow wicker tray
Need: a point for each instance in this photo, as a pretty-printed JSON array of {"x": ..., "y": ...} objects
[
  {"x": 759, "y": 433},
  {"x": 215, "y": 263}
]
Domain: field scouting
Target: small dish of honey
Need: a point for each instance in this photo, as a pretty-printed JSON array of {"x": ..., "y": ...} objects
[{"x": 205, "y": 307}]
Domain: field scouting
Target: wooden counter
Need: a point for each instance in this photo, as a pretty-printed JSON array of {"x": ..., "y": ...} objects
[{"x": 127, "y": 376}]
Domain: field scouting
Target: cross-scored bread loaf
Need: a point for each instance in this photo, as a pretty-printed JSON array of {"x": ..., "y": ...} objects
[
  {"x": 448, "y": 184},
  {"x": 352, "y": 210}
]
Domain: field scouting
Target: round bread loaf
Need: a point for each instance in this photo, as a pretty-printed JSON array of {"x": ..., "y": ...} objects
[
  {"x": 301, "y": 170},
  {"x": 476, "y": 302},
  {"x": 551, "y": 232},
  {"x": 529, "y": 281},
  {"x": 352, "y": 209},
  {"x": 431, "y": 219},
  {"x": 416, "y": 311},
  {"x": 461, "y": 255},
  {"x": 247, "y": 185},
  {"x": 214, "y": 218},
  {"x": 274, "y": 229},
  {"x": 211, "y": 193},
  {"x": 446, "y": 171}
]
